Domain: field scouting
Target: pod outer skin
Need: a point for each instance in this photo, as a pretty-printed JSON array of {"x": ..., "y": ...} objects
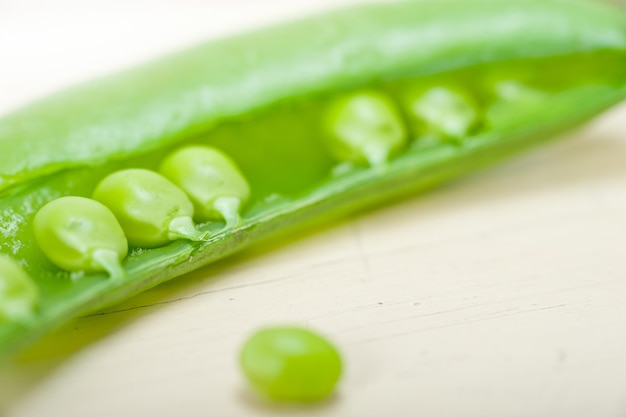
[{"x": 188, "y": 93}]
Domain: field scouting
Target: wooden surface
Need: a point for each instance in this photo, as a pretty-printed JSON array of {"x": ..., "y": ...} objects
[{"x": 498, "y": 295}]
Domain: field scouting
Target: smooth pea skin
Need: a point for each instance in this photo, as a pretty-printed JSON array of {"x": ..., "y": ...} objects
[
  {"x": 80, "y": 234},
  {"x": 290, "y": 364},
  {"x": 442, "y": 113},
  {"x": 19, "y": 295},
  {"x": 212, "y": 181},
  {"x": 510, "y": 99},
  {"x": 151, "y": 210},
  {"x": 364, "y": 128}
]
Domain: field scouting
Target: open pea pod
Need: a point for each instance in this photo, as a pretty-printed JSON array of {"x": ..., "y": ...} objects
[{"x": 192, "y": 157}]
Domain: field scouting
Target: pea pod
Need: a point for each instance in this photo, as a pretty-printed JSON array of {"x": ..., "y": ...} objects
[{"x": 264, "y": 100}]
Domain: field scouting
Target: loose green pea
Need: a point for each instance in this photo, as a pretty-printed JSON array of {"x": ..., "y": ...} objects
[
  {"x": 364, "y": 128},
  {"x": 151, "y": 210},
  {"x": 442, "y": 113},
  {"x": 290, "y": 364},
  {"x": 212, "y": 181},
  {"x": 80, "y": 234},
  {"x": 18, "y": 293}
]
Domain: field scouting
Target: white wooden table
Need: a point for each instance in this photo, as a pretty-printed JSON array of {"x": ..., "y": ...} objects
[{"x": 502, "y": 294}]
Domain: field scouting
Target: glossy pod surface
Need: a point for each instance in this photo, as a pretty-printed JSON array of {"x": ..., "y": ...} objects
[
  {"x": 449, "y": 89},
  {"x": 186, "y": 94}
]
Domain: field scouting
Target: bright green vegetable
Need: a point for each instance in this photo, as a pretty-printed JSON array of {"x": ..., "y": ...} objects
[
  {"x": 212, "y": 181},
  {"x": 513, "y": 97},
  {"x": 151, "y": 210},
  {"x": 364, "y": 128},
  {"x": 79, "y": 234},
  {"x": 274, "y": 111},
  {"x": 443, "y": 112},
  {"x": 290, "y": 364},
  {"x": 19, "y": 295}
]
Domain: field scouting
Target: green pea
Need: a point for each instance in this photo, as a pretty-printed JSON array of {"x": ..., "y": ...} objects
[
  {"x": 513, "y": 83},
  {"x": 80, "y": 234},
  {"x": 442, "y": 113},
  {"x": 290, "y": 364},
  {"x": 151, "y": 210},
  {"x": 511, "y": 99},
  {"x": 511, "y": 91},
  {"x": 212, "y": 181},
  {"x": 364, "y": 128},
  {"x": 18, "y": 293}
]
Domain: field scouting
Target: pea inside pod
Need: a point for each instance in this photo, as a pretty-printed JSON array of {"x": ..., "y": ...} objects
[
  {"x": 18, "y": 293},
  {"x": 364, "y": 128},
  {"x": 212, "y": 181},
  {"x": 80, "y": 234},
  {"x": 512, "y": 97},
  {"x": 442, "y": 113},
  {"x": 151, "y": 210}
]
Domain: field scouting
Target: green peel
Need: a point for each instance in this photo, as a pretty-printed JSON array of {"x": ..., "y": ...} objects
[{"x": 268, "y": 113}]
